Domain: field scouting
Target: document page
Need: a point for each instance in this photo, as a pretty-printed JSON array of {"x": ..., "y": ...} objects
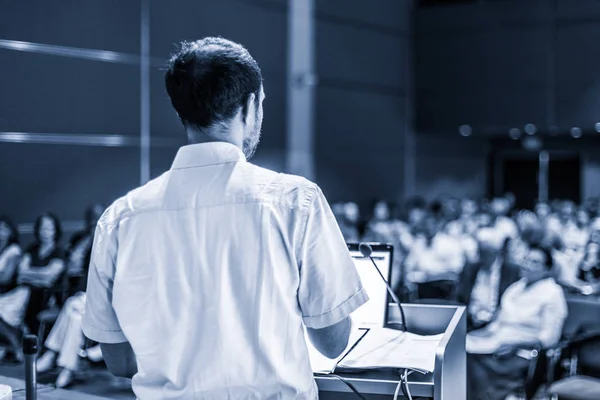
[
  {"x": 389, "y": 348},
  {"x": 323, "y": 365}
]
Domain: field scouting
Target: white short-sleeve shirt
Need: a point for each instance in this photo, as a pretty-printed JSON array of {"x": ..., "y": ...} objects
[{"x": 211, "y": 271}]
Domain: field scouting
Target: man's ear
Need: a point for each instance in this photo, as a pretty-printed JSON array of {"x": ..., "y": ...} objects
[{"x": 249, "y": 106}]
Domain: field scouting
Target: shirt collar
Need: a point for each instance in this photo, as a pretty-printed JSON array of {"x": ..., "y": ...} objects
[{"x": 205, "y": 154}]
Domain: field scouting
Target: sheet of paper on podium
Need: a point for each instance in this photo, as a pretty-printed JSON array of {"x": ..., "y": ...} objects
[
  {"x": 323, "y": 365},
  {"x": 389, "y": 348}
]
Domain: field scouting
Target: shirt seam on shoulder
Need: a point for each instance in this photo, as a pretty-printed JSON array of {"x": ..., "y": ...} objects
[
  {"x": 129, "y": 214},
  {"x": 306, "y": 215}
]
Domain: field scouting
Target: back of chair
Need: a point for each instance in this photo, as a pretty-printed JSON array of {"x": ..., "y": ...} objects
[{"x": 584, "y": 317}]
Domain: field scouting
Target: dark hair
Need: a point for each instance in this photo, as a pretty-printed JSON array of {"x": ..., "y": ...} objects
[
  {"x": 55, "y": 221},
  {"x": 90, "y": 212},
  {"x": 14, "y": 232},
  {"x": 208, "y": 81},
  {"x": 549, "y": 263}
]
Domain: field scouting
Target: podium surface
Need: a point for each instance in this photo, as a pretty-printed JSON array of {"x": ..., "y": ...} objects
[{"x": 449, "y": 378}]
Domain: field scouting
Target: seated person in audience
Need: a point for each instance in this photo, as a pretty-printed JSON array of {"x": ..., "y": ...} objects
[
  {"x": 595, "y": 231},
  {"x": 381, "y": 228},
  {"x": 584, "y": 276},
  {"x": 65, "y": 342},
  {"x": 467, "y": 241},
  {"x": 532, "y": 313},
  {"x": 467, "y": 223},
  {"x": 434, "y": 262},
  {"x": 347, "y": 216},
  {"x": 500, "y": 208},
  {"x": 575, "y": 234},
  {"x": 39, "y": 270},
  {"x": 531, "y": 234},
  {"x": 483, "y": 283},
  {"x": 10, "y": 254},
  {"x": 66, "y": 338},
  {"x": 79, "y": 250}
]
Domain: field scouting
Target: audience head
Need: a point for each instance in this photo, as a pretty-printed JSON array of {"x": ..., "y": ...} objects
[
  {"x": 451, "y": 208},
  {"x": 429, "y": 226},
  {"x": 47, "y": 229},
  {"x": 582, "y": 217},
  {"x": 381, "y": 211},
  {"x": 468, "y": 208},
  {"x": 542, "y": 210},
  {"x": 512, "y": 200},
  {"x": 216, "y": 89},
  {"x": 92, "y": 215},
  {"x": 416, "y": 209},
  {"x": 9, "y": 233},
  {"x": 338, "y": 210},
  {"x": 537, "y": 265},
  {"x": 595, "y": 231},
  {"x": 491, "y": 242},
  {"x": 567, "y": 210},
  {"x": 351, "y": 212},
  {"x": 500, "y": 206}
]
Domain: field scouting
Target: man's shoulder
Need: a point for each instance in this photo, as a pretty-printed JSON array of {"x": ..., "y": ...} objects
[
  {"x": 136, "y": 200},
  {"x": 289, "y": 189}
]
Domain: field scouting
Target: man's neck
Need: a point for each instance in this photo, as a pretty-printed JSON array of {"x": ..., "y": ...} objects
[{"x": 217, "y": 133}]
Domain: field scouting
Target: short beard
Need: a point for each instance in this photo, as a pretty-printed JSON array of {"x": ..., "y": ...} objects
[{"x": 251, "y": 143}]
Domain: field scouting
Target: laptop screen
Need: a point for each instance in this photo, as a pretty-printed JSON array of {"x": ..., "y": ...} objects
[{"x": 373, "y": 313}]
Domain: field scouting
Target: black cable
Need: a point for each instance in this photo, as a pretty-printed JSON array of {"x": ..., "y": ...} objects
[
  {"x": 391, "y": 292},
  {"x": 351, "y": 386}
]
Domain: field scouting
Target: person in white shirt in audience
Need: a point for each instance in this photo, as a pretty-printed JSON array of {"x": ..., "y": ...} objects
[
  {"x": 434, "y": 262},
  {"x": 206, "y": 281},
  {"x": 532, "y": 313}
]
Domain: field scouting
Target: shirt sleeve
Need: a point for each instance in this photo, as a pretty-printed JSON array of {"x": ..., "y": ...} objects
[
  {"x": 100, "y": 322},
  {"x": 330, "y": 288},
  {"x": 552, "y": 318}
]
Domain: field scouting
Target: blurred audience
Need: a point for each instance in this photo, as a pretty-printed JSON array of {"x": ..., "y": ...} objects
[
  {"x": 483, "y": 283},
  {"x": 531, "y": 316},
  {"x": 40, "y": 268},
  {"x": 510, "y": 268},
  {"x": 66, "y": 339}
]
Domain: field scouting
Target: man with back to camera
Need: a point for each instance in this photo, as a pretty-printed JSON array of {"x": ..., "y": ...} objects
[{"x": 202, "y": 281}]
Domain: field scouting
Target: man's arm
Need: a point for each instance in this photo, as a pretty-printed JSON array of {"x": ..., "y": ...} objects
[
  {"x": 100, "y": 322},
  {"x": 8, "y": 272},
  {"x": 331, "y": 341},
  {"x": 330, "y": 288},
  {"x": 44, "y": 276},
  {"x": 119, "y": 359}
]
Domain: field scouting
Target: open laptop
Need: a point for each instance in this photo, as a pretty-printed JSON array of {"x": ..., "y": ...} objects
[{"x": 372, "y": 314}]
